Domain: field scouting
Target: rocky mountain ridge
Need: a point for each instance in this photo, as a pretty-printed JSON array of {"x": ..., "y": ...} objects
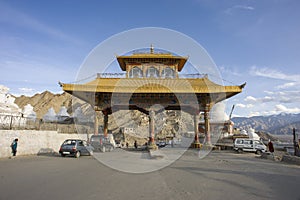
[
  {"x": 42, "y": 102},
  {"x": 281, "y": 124}
]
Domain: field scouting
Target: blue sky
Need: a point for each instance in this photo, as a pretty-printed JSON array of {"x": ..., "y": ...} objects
[{"x": 253, "y": 41}]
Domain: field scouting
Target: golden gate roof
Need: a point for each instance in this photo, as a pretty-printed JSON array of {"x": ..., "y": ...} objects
[{"x": 143, "y": 85}]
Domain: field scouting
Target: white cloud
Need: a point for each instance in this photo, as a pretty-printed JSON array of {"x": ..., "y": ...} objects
[
  {"x": 243, "y": 7},
  {"x": 250, "y": 99},
  {"x": 26, "y": 90},
  {"x": 293, "y": 81},
  {"x": 230, "y": 70},
  {"x": 269, "y": 112},
  {"x": 244, "y": 105},
  {"x": 285, "y": 96},
  {"x": 273, "y": 101},
  {"x": 231, "y": 10},
  {"x": 240, "y": 105},
  {"x": 281, "y": 108},
  {"x": 275, "y": 110},
  {"x": 254, "y": 113},
  {"x": 281, "y": 98},
  {"x": 235, "y": 115},
  {"x": 267, "y": 99},
  {"x": 288, "y": 85},
  {"x": 272, "y": 73}
]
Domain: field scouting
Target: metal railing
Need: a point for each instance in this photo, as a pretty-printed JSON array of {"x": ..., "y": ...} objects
[
  {"x": 123, "y": 75},
  {"x": 111, "y": 75}
]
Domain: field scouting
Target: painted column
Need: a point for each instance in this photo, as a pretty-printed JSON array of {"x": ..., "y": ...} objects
[
  {"x": 105, "y": 123},
  {"x": 96, "y": 123},
  {"x": 207, "y": 125},
  {"x": 196, "y": 130},
  {"x": 152, "y": 144},
  {"x": 151, "y": 126}
]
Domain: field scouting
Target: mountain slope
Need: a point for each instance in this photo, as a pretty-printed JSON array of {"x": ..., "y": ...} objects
[
  {"x": 281, "y": 124},
  {"x": 42, "y": 102}
]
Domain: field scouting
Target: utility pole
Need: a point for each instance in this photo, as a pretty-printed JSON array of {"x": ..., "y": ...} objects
[
  {"x": 296, "y": 146},
  {"x": 231, "y": 112},
  {"x": 11, "y": 122}
]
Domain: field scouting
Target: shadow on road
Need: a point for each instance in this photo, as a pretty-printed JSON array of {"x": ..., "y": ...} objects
[{"x": 48, "y": 152}]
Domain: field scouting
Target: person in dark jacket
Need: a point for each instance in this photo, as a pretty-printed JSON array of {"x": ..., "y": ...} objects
[
  {"x": 135, "y": 144},
  {"x": 14, "y": 146},
  {"x": 270, "y": 146}
]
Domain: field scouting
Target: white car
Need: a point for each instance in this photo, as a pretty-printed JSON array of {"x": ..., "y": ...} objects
[{"x": 249, "y": 145}]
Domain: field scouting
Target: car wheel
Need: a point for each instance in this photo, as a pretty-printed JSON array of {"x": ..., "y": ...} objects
[
  {"x": 258, "y": 152},
  {"x": 63, "y": 155},
  {"x": 77, "y": 154},
  {"x": 240, "y": 150}
]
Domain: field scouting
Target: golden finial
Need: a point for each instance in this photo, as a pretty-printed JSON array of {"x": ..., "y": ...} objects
[{"x": 151, "y": 49}]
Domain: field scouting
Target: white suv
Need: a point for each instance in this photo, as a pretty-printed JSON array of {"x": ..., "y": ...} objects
[{"x": 249, "y": 145}]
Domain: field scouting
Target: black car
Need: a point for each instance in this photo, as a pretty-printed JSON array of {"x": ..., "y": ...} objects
[
  {"x": 161, "y": 144},
  {"x": 76, "y": 148}
]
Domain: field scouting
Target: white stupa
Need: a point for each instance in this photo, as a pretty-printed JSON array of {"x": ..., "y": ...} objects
[
  {"x": 62, "y": 114},
  {"x": 217, "y": 113},
  {"x": 244, "y": 132},
  {"x": 79, "y": 116},
  {"x": 7, "y": 103},
  {"x": 252, "y": 134},
  {"x": 28, "y": 112},
  {"x": 10, "y": 113},
  {"x": 50, "y": 116}
]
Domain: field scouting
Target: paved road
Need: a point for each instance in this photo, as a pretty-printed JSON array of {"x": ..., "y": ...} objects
[{"x": 220, "y": 175}]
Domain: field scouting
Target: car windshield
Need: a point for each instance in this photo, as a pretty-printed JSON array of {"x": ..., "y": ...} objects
[
  {"x": 95, "y": 138},
  {"x": 69, "y": 142},
  {"x": 239, "y": 141},
  {"x": 258, "y": 142}
]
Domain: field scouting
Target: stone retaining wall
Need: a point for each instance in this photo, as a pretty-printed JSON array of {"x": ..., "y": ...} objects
[
  {"x": 33, "y": 142},
  {"x": 291, "y": 159},
  {"x": 281, "y": 157}
]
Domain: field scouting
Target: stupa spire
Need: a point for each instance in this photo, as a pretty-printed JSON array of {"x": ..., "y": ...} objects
[{"x": 151, "y": 49}]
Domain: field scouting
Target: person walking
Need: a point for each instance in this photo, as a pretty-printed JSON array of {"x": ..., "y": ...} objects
[
  {"x": 271, "y": 148},
  {"x": 14, "y": 146},
  {"x": 135, "y": 144}
]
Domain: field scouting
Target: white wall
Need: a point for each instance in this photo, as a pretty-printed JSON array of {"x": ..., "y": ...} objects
[{"x": 33, "y": 142}]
